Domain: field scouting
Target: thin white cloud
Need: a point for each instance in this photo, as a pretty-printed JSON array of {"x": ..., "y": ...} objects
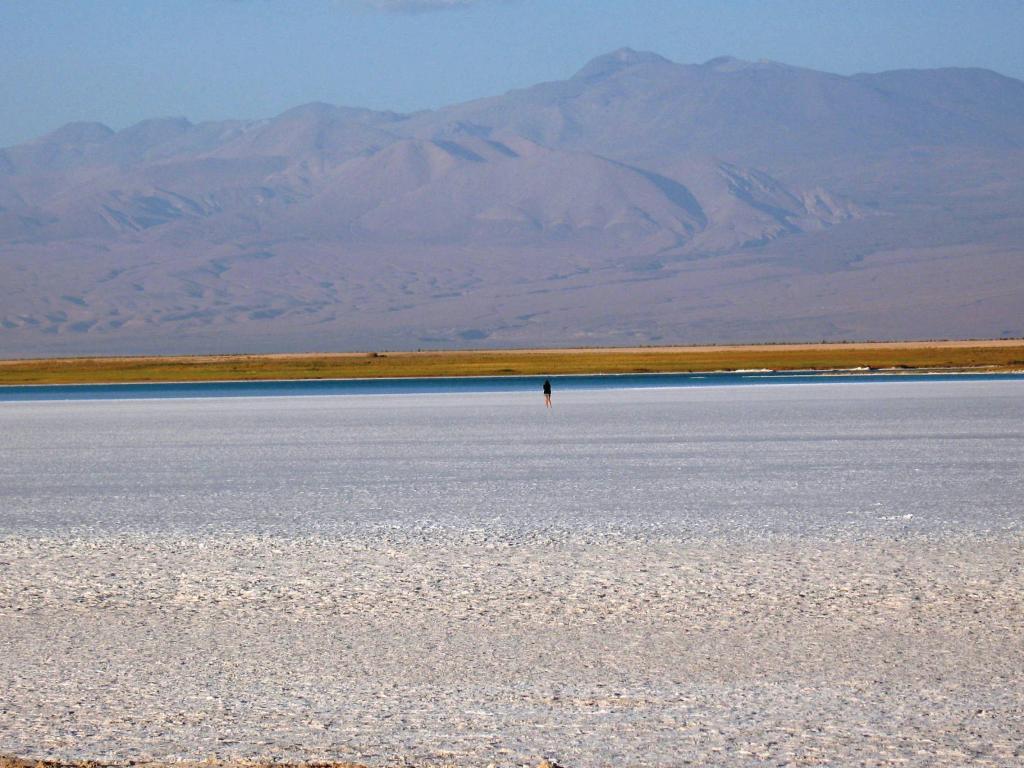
[{"x": 418, "y": 6}]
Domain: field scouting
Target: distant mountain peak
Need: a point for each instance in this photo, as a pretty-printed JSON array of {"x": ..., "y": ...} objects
[
  {"x": 726, "y": 63},
  {"x": 158, "y": 125},
  {"x": 324, "y": 112},
  {"x": 610, "y": 63},
  {"x": 77, "y": 133},
  {"x": 732, "y": 64},
  {"x": 312, "y": 109}
]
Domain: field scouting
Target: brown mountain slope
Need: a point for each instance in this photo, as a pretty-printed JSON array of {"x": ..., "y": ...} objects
[{"x": 639, "y": 201}]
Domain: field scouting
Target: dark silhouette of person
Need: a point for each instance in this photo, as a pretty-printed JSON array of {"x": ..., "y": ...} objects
[{"x": 547, "y": 392}]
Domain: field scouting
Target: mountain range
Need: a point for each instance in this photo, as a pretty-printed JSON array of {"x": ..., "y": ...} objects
[{"x": 640, "y": 201}]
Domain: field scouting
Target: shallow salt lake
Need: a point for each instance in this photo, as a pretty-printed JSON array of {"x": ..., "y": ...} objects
[{"x": 802, "y": 459}]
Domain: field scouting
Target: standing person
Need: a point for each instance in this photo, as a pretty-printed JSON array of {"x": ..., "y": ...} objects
[{"x": 547, "y": 392}]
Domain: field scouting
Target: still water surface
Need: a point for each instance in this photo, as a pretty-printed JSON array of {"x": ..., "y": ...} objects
[{"x": 465, "y": 384}]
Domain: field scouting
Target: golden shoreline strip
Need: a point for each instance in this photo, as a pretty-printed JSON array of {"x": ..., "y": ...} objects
[{"x": 993, "y": 354}]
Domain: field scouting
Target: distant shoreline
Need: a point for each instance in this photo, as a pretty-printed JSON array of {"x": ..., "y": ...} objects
[{"x": 986, "y": 355}]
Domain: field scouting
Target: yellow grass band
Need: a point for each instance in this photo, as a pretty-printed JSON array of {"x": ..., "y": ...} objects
[{"x": 994, "y": 355}]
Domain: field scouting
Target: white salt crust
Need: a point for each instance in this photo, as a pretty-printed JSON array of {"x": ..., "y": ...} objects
[{"x": 750, "y": 576}]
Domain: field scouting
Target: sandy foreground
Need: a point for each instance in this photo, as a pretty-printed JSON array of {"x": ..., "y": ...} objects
[{"x": 796, "y": 575}]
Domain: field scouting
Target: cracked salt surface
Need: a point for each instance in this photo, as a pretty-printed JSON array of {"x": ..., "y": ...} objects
[{"x": 744, "y": 576}]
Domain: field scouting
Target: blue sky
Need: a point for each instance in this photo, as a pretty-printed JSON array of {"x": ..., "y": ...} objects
[{"x": 120, "y": 61}]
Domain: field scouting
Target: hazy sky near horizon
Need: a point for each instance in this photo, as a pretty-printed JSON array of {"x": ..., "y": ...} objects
[{"x": 121, "y": 61}]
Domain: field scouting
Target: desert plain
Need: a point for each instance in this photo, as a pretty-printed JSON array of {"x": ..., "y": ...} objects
[{"x": 806, "y": 574}]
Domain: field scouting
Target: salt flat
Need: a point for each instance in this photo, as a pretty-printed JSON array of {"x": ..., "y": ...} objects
[
  {"x": 802, "y": 459},
  {"x": 738, "y": 576}
]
